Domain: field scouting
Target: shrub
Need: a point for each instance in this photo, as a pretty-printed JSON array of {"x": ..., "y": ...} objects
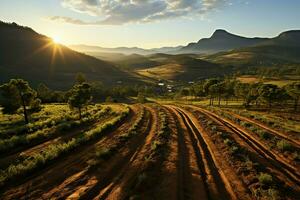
[
  {"x": 213, "y": 128},
  {"x": 109, "y": 99},
  {"x": 283, "y": 145},
  {"x": 155, "y": 145},
  {"x": 234, "y": 150},
  {"x": 141, "y": 98},
  {"x": 265, "y": 179},
  {"x": 104, "y": 153},
  {"x": 228, "y": 142},
  {"x": 264, "y": 135}
]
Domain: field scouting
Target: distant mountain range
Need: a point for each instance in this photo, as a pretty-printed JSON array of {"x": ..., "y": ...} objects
[
  {"x": 281, "y": 50},
  {"x": 220, "y": 41},
  {"x": 123, "y": 50},
  {"x": 26, "y": 54}
]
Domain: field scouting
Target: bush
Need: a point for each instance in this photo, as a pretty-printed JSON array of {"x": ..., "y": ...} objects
[
  {"x": 234, "y": 150},
  {"x": 228, "y": 142},
  {"x": 264, "y": 135},
  {"x": 104, "y": 153},
  {"x": 141, "y": 98},
  {"x": 109, "y": 99},
  {"x": 265, "y": 179},
  {"x": 283, "y": 145}
]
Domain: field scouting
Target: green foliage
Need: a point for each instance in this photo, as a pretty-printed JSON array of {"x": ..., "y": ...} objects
[
  {"x": 141, "y": 98},
  {"x": 47, "y": 128},
  {"x": 56, "y": 150},
  {"x": 228, "y": 142},
  {"x": 17, "y": 93},
  {"x": 104, "y": 153},
  {"x": 293, "y": 91},
  {"x": 109, "y": 99},
  {"x": 80, "y": 96},
  {"x": 265, "y": 179},
  {"x": 284, "y": 145}
]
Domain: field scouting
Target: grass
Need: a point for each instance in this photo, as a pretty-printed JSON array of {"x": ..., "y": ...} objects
[
  {"x": 54, "y": 151},
  {"x": 280, "y": 82},
  {"x": 19, "y": 140}
]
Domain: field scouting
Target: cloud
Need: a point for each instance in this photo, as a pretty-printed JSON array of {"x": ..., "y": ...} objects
[{"x": 118, "y": 12}]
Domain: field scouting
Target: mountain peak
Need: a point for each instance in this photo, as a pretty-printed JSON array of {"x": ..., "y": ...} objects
[{"x": 220, "y": 33}]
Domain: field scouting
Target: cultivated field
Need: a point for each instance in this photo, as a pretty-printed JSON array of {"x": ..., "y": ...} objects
[{"x": 149, "y": 151}]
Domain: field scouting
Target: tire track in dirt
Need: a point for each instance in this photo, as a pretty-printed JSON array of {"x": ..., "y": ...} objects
[
  {"x": 36, "y": 185},
  {"x": 103, "y": 175},
  {"x": 182, "y": 159},
  {"x": 274, "y": 132},
  {"x": 217, "y": 186},
  {"x": 118, "y": 185},
  {"x": 286, "y": 169}
]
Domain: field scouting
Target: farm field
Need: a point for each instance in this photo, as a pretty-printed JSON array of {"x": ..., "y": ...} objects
[{"x": 149, "y": 151}]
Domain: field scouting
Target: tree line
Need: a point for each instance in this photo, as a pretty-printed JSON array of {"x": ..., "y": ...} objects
[
  {"x": 250, "y": 93},
  {"x": 18, "y": 96}
]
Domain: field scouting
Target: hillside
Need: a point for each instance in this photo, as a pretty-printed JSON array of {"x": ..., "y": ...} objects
[
  {"x": 26, "y": 54},
  {"x": 283, "y": 49},
  {"x": 184, "y": 68},
  {"x": 221, "y": 40}
]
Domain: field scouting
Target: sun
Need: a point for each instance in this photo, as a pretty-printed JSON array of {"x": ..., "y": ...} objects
[{"x": 56, "y": 39}]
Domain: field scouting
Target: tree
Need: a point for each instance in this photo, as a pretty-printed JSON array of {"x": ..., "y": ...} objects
[
  {"x": 44, "y": 93},
  {"x": 185, "y": 92},
  {"x": 208, "y": 91},
  {"x": 18, "y": 94},
  {"x": 80, "y": 78},
  {"x": 80, "y": 96},
  {"x": 293, "y": 91},
  {"x": 241, "y": 90},
  {"x": 269, "y": 93}
]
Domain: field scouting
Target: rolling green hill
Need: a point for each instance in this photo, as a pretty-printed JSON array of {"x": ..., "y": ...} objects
[{"x": 184, "y": 68}]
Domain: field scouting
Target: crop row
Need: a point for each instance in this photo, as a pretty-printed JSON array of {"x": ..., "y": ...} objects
[
  {"x": 154, "y": 157},
  {"x": 63, "y": 117},
  {"x": 107, "y": 152},
  {"x": 272, "y": 121},
  {"x": 256, "y": 176},
  {"x": 54, "y": 151},
  {"x": 18, "y": 140},
  {"x": 271, "y": 140}
]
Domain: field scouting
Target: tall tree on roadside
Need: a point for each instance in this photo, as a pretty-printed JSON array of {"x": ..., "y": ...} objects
[
  {"x": 269, "y": 93},
  {"x": 293, "y": 91},
  {"x": 80, "y": 96},
  {"x": 18, "y": 94},
  {"x": 241, "y": 90},
  {"x": 206, "y": 89}
]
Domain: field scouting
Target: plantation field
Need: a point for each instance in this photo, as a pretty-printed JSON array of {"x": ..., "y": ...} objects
[{"x": 166, "y": 150}]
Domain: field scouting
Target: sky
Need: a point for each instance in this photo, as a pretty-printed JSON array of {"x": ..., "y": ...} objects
[{"x": 150, "y": 23}]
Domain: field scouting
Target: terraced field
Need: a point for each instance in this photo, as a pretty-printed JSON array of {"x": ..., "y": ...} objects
[{"x": 147, "y": 151}]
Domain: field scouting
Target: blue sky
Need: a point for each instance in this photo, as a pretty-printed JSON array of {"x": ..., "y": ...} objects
[{"x": 150, "y": 23}]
